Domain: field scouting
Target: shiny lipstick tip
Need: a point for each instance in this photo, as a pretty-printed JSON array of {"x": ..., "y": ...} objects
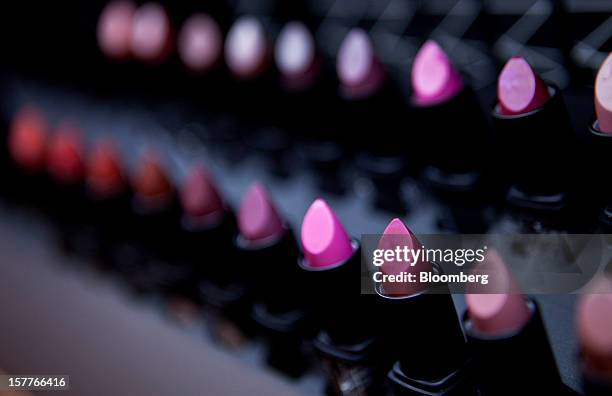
[
  {"x": 29, "y": 139},
  {"x": 434, "y": 78},
  {"x": 519, "y": 88},
  {"x": 200, "y": 197},
  {"x": 294, "y": 52},
  {"x": 603, "y": 96},
  {"x": 65, "y": 162},
  {"x": 246, "y": 48},
  {"x": 105, "y": 176},
  {"x": 355, "y": 58},
  {"x": 114, "y": 29},
  {"x": 324, "y": 239},
  {"x": 594, "y": 327},
  {"x": 258, "y": 218},
  {"x": 502, "y": 309}
]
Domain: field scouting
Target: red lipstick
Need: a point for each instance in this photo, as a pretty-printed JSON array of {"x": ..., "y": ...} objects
[
  {"x": 65, "y": 162},
  {"x": 530, "y": 111},
  {"x": 105, "y": 176},
  {"x": 594, "y": 327},
  {"x": 507, "y": 334},
  {"x": 438, "y": 362}
]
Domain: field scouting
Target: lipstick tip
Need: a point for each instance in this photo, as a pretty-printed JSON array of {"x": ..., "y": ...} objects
[
  {"x": 151, "y": 33},
  {"x": 434, "y": 78},
  {"x": 603, "y": 96},
  {"x": 324, "y": 239},
  {"x": 504, "y": 309},
  {"x": 200, "y": 42},
  {"x": 105, "y": 175},
  {"x": 258, "y": 219},
  {"x": 355, "y": 58},
  {"x": 594, "y": 325},
  {"x": 65, "y": 161},
  {"x": 246, "y": 47},
  {"x": 151, "y": 184},
  {"x": 28, "y": 139},
  {"x": 199, "y": 197},
  {"x": 295, "y": 50},
  {"x": 115, "y": 28},
  {"x": 519, "y": 88}
]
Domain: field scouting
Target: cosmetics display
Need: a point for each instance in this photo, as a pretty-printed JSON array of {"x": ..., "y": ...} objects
[{"x": 238, "y": 187}]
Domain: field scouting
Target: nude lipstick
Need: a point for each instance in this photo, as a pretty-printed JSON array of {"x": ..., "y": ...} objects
[
  {"x": 114, "y": 30},
  {"x": 200, "y": 43},
  {"x": 529, "y": 117},
  {"x": 600, "y": 142},
  {"x": 151, "y": 38},
  {"x": 372, "y": 102},
  {"x": 331, "y": 272},
  {"x": 507, "y": 335},
  {"x": 265, "y": 240},
  {"x": 428, "y": 351},
  {"x": 594, "y": 326},
  {"x": 440, "y": 93}
]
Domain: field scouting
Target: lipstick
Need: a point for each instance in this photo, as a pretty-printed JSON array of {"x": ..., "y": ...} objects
[
  {"x": 600, "y": 139},
  {"x": 594, "y": 326},
  {"x": 436, "y": 360},
  {"x": 26, "y": 156},
  {"x": 372, "y": 102},
  {"x": 530, "y": 111},
  {"x": 507, "y": 335},
  {"x": 309, "y": 103},
  {"x": 66, "y": 199},
  {"x": 114, "y": 29},
  {"x": 151, "y": 39},
  {"x": 345, "y": 337},
  {"x": 443, "y": 104},
  {"x": 265, "y": 241},
  {"x": 154, "y": 229},
  {"x": 200, "y": 43},
  {"x": 109, "y": 199}
]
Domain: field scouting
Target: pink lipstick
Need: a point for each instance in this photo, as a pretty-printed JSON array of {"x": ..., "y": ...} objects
[
  {"x": 200, "y": 43},
  {"x": 202, "y": 204},
  {"x": 247, "y": 50},
  {"x": 594, "y": 327},
  {"x": 603, "y": 96},
  {"x": 440, "y": 93},
  {"x": 264, "y": 240},
  {"x": 438, "y": 362},
  {"x": 296, "y": 56},
  {"x": 114, "y": 30},
  {"x": 151, "y": 33},
  {"x": 507, "y": 334},
  {"x": 530, "y": 111}
]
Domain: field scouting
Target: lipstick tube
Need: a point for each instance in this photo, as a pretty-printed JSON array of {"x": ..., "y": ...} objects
[{"x": 510, "y": 363}]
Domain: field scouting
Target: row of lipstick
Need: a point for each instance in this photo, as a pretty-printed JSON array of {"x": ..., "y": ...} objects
[{"x": 252, "y": 271}]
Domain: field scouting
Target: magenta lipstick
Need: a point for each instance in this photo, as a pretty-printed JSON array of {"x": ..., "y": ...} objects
[
  {"x": 345, "y": 336},
  {"x": 436, "y": 361},
  {"x": 267, "y": 243},
  {"x": 440, "y": 93},
  {"x": 594, "y": 327},
  {"x": 507, "y": 335},
  {"x": 530, "y": 111}
]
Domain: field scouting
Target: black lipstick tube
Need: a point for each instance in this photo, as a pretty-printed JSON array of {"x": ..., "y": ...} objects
[
  {"x": 510, "y": 363},
  {"x": 427, "y": 342},
  {"x": 278, "y": 307}
]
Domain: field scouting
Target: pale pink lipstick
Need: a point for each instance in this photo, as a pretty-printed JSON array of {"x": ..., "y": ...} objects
[
  {"x": 398, "y": 235},
  {"x": 434, "y": 78},
  {"x": 519, "y": 89},
  {"x": 295, "y": 56},
  {"x": 507, "y": 334},
  {"x": 115, "y": 29},
  {"x": 603, "y": 96},
  {"x": 325, "y": 242},
  {"x": 246, "y": 48},
  {"x": 258, "y": 219},
  {"x": 200, "y": 43},
  {"x": 594, "y": 328},
  {"x": 358, "y": 68},
  {"x": 151, "y": 33}
]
